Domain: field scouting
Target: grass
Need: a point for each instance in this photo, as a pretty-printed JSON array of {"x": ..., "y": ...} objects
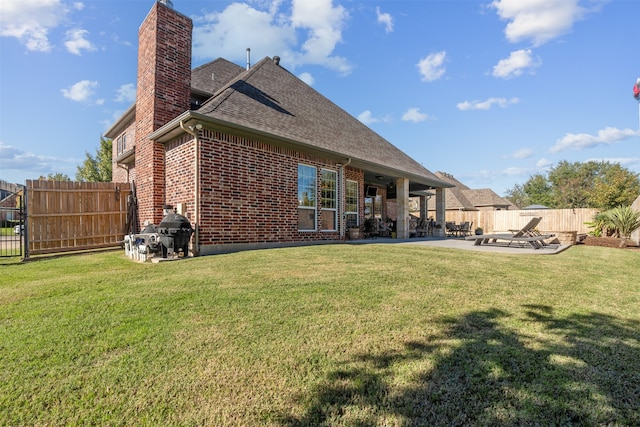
[{"x": 352, "y": 335}]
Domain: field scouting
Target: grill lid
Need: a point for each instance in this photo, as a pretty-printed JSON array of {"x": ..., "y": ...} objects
[{"x": 174, "y": 221}]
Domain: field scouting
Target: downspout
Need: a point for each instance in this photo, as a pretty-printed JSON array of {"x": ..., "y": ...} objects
[
  {"x": 125, "y": 168},
  {"x": 193, "y": 131},
  {"x": 342, "y": 181}
]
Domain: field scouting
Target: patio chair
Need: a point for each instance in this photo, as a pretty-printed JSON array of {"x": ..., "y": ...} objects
[
  {"x": 465, "y": 228},
  {"x": 421, "y": 228},
  {"x": 525, "y": 235},
  {"x": 528, "y": 228},
  {"x": 451, "y": 228}
]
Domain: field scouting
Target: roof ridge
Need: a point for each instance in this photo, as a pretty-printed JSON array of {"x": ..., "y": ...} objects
[{"x": 245, "y": 75}]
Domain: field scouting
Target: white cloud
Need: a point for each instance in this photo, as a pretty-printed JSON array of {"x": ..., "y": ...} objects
[
  {"x": 30, "y": 21},
  {"x": 126, "y": 93},
  {"x": 432, "y": 66},
  {"x": 514, "y": 171},
  {"x": 543, "y": 163},
  {"x": 16, "y": 159},
  {"x": 367, "y": 118},
  {"x": 81, "y": 91},
  {"x": 523, "y": 153},
  {"x": 269, "y": 31},
  {"x": 414, "y": 115},
  {"x": 538, "y": 20},
  {"x": 307, "y": 78},
  {"x": 487, "y": 104},
  {"x": 514, "y": 65},
  {"x": 606, "y": 136},
  {"x": 385, "y": 19},
  {"x": 76, "y": 41}
]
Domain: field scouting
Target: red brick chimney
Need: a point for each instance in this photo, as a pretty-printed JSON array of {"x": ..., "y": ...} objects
[{"x": 163, "y": 93}]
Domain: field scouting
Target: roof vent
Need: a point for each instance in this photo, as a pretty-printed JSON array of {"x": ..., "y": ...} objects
[
  {"x": 167, "y": 3},
  {"x": 276, "y": 60}
]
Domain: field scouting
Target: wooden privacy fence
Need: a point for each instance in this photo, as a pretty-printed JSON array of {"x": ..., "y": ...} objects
[
  {"x": 71, "y": 216},
  {"x": 553, "y": 220}
]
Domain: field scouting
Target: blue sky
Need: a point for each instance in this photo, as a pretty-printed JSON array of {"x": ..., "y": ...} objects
[{"x": 488, "y": 91}]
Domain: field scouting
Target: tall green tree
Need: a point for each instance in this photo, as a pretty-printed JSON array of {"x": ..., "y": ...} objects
[
  {"x": 517, "y": 196},
  {"x": 600, "y": 185},
  {"x": 614, "y": 186},
  {"x": 538, "y": 191},
  {"x": 98, "y": 168},
  {"x": 571, "y": 184}
]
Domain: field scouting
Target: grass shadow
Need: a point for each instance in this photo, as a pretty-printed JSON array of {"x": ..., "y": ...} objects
[{"x": 582, "y": 370}]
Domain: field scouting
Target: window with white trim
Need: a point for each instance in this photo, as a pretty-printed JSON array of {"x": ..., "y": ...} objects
[
  {"x": 307, "y": 189},
  {"x": 122, "y": 143},
  {"x": 351, "y": 204},
  {"x": 328, "y": 200}
]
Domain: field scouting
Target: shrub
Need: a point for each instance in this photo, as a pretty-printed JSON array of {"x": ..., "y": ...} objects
[{"x": 624, "y": 220}]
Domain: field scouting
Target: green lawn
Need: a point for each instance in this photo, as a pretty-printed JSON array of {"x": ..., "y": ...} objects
[{"x": 353, "y": 335}]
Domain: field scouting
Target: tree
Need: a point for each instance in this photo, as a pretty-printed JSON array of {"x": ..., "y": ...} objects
[
  {"x": 599, "y": 185},
  {"x": 55, "y": 177},
  {"x": 97, "y": 169},
  {"x": 571, "y": 184},
  {"x": 614, "y": 186},
  {"x": 517, "y": 196},
  {"x": 538, "y": 189}
]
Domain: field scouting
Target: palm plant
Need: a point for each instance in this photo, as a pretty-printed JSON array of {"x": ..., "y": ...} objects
[
  {"x": 625, "y": 220},
  {"x": 598, "y": 225}
]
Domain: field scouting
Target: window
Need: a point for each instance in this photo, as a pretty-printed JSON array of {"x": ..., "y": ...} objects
[
  {"x": 351, "y": 204},
  {"x": 306, "y": 197},
  {"x": 329, "y": 200},
  {"x": 122, "y": 143},
  {"x": 373, "y": 208}
]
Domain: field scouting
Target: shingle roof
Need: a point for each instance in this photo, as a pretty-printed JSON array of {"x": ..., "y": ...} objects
[
  {"x": 463, "y": 197},
  {"x": 270, "y": 100},
  {"x": 212, "y": 76}
]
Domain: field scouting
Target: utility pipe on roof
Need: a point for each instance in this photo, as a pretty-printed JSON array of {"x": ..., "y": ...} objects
[{"x": 193, "y": 131}]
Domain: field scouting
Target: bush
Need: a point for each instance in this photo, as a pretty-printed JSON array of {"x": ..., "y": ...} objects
[{"x": 619, "y": 222}]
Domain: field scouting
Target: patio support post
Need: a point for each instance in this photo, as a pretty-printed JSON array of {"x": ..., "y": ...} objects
[
  {"x": 424, "y": 207},
  {"x": 402, "y": 195},
  {"x": 440, "y": 212}
]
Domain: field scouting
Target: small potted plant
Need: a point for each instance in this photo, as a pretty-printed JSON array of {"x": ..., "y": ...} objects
[{"x": 478, "y": 231}]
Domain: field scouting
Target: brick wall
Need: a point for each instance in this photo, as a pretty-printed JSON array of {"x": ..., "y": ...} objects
[
  {"x": 163, "y": 93},
  {"x": 249, "y": 189},
  {"x": 119, "y": 174},
  {"x": 180, "y": 174}
]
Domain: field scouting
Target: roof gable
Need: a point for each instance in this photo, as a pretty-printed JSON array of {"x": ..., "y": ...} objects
[
  {"x": 270, "y": 100},
  {"x": 212, "y": 76}
]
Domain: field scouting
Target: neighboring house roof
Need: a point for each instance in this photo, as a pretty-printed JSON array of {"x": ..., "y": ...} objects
[
  {"x": 530, "y": 207},
  {"x": 270, "y": 102},
  {"x": 462, "y": 197}
]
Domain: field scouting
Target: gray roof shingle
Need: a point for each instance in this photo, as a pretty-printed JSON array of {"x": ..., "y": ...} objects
[{"x": 270, "y": 100}]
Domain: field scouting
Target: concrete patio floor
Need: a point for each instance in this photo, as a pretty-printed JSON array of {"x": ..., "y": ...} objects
[{"x": 457, "y": 243}]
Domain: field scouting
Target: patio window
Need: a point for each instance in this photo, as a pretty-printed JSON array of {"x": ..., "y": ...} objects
[
  {"x": 307, "y": 180},
  {"x": 351, "y": 203},
  {"x": 328, "y": 200}
]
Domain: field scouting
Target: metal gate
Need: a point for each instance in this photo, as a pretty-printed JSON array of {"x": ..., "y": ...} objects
[{"x": 12, "y": 226}]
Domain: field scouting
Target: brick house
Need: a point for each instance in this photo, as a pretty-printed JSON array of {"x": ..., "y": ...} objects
[{"x": 254, "y": 157}]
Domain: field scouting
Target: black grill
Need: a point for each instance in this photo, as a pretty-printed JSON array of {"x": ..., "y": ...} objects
[{"x": 174, "y": 233}]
